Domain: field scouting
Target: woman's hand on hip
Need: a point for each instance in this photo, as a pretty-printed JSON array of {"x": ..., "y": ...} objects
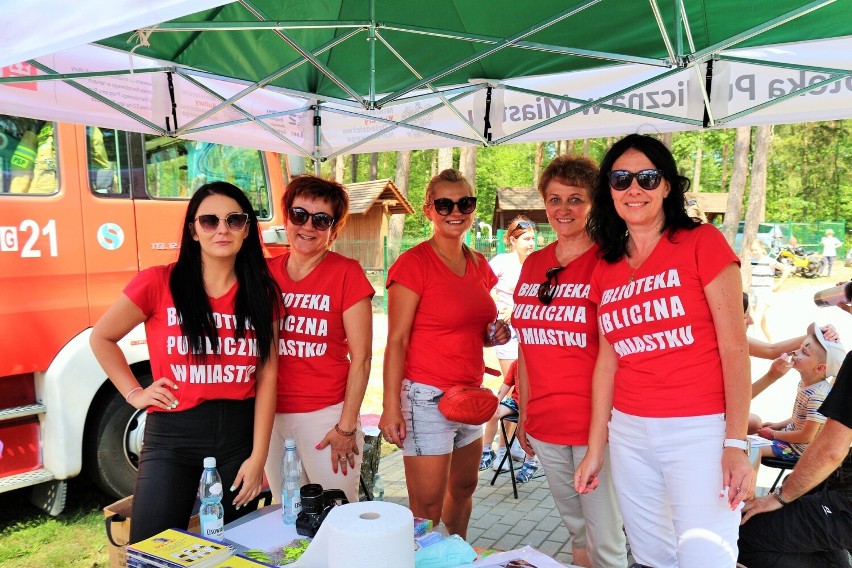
[
  {"x": 249, "y": 481},
  {"x": 586, "y": 475},
  {"x": 392, "y": 425},
  {"x": 343, "y": 450},
  {"x": 160, "y": 393},
  {"x": 737, "y": 477}
]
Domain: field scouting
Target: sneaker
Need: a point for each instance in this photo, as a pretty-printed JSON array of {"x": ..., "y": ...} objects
[
  {"x": 498, "y": 459},
  {"x": 518, "y": 453},
  {"x": 527, "y": 471},
  {"x": 487, "y": 460}
]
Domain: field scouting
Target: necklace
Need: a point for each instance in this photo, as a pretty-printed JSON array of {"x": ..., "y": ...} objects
[
  {"x": 445, "y": 257},
  {"x": 296, "y": 272}
]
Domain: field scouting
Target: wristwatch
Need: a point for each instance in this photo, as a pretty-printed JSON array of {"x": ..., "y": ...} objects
[
  {"x": 744, "y": 445},
  {"x": 777, "y": 495}
]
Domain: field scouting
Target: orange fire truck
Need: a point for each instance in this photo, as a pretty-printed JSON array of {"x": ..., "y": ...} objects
[{"x": 82, "y": 209}]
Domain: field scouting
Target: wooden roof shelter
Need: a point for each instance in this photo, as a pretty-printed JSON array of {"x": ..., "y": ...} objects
[
  {"x": 371, "y": 203},
  {"x": 513, "y": 201}
]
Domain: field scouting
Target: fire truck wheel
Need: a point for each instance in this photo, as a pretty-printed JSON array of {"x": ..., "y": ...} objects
[{"x": 114, "y": 443}]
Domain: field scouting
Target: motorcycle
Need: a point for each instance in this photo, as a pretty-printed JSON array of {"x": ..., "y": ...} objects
[{"x": 802, "y": 264}]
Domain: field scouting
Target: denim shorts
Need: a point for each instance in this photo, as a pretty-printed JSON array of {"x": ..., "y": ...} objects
[
  {"x": 428, "y": 432},
  {"x": 783, "y": 451},
  {"x": 510, "y": 403}
]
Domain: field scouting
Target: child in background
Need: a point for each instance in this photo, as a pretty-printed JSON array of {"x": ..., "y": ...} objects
[
  {"x": 816, "y": 360},
  {"x": 508, "y": 406}
]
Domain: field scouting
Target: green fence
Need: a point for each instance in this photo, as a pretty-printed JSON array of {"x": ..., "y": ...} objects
[{"x": 378, "y": 258}]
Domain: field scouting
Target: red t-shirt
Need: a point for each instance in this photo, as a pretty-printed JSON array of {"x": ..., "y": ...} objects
[
  {"x": 228, "y": 375},
  {"x": 560, "y": 344},
  {"x": 313, "y": 354},
  {"x": 448, "y": 331},
  {"x": 661, "y": 328},
  {"x": 511, "y": 381}
]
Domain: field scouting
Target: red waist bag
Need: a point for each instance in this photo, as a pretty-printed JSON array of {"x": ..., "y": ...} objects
[{"x": 468, "y": 405}]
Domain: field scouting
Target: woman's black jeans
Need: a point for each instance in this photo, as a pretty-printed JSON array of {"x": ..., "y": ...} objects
[{"x": 172, "y": 460}]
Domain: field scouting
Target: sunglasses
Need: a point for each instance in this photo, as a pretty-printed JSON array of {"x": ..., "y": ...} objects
[
  {"x": 235, "y": 221},
  {"x": 523, "y": 226},
  {"x": 444, "y": 205},
  {"x": 547, "y": 290},
  {"x": 321, "y": 221},
  {"x": 620, "y": 180}
]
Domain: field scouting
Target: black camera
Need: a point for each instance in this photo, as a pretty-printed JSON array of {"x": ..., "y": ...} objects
[{"x": 316, "y": 505}]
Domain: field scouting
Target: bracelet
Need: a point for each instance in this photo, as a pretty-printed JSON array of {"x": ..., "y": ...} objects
[
  {"x": 344, "y": 432},
  {"x": 127, "y": 397}
]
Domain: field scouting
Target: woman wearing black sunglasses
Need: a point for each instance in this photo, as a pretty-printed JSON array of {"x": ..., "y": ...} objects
[
  {"x": 558, "y": 335},
  {"x": 440, "y": 316},
  {"x": 209, "y": 321},
  {"x": 672, "y": 375},
  {"x": 326, "y": 341}
]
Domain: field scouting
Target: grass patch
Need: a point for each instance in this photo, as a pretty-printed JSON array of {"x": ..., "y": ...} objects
[{"x": 30, "y": 538}]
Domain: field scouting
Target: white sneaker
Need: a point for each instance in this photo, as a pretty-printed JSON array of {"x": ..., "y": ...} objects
[
  {"x": 518, "y": 453},
  {"x": 498, "y": 459}
]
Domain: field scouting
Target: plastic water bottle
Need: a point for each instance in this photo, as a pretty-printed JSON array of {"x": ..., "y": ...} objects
[
  {"x": 211, "y": 514},
  {"x": 378, "y": 488},
  {"x": 291, "y": 474}
]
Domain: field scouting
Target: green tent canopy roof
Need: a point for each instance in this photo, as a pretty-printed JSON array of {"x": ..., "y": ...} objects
[{"x": 325, "y": 78}]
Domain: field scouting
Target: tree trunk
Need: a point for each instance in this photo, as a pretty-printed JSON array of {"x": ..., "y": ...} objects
[
  {"x": 666, "y": 139},
  {"x": 445, "y": 159},
  {"x": 570, "y": 148},
  {"x": 467, "y": 164},
  {"x": 539, "y": 159},
  {"x": 339, "y": 168},
  {"x": 354, "y": 166},
  {"x": 585, "y": 146},
  {"x": 374, "y": 166},
  {"x": 726, "y": 153},
  {"x": 397, "y": 222},
  {"x": 696, "y": 172},
  {"x": 736, "y": 189},
  {"x": 757, "y": 194}
]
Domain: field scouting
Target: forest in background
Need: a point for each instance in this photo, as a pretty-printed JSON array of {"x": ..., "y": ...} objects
[{"x": 805, "y": 168}]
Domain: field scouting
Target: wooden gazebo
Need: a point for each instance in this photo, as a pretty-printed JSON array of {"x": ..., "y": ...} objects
[{"x": 371, "y": 203}]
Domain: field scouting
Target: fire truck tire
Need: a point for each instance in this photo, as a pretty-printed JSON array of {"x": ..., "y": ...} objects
[{"x": 114, "y": 441}]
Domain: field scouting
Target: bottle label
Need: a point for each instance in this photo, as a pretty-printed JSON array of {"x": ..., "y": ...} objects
[
  {"x": 212, "y": 527},
  {"x": 295, "y": 505}
]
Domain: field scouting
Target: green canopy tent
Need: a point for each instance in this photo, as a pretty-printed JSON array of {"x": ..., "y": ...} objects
[{"x": 325, "y": 78}]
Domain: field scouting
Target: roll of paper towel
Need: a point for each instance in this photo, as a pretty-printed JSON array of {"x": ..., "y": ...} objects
[{"x": 361, "y": 534}]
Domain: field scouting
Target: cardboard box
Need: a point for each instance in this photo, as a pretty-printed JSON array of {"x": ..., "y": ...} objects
[{"x": 117, "y": 520}]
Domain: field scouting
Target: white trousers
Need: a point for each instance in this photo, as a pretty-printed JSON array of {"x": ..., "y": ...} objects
[
  {"x": 309, "y": 428},
  {"x": 593, "y": 520},
  {"x": 668, "y": 476}
]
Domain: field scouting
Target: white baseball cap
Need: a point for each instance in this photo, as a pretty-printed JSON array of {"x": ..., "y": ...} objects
[{"x": 835, "y": 353}]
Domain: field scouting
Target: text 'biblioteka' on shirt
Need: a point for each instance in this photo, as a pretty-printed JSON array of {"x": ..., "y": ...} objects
[{"x": 667, "y": 279}]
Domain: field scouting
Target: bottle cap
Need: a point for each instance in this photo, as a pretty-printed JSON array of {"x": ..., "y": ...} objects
[
  {"x": 290, "y": 443},
  {"x": 209, "y": 463}
]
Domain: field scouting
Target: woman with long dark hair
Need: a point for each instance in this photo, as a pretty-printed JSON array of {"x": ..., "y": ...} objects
[
  {"x": 210, "y": 324},
  {"x": 671, "y": 385}
]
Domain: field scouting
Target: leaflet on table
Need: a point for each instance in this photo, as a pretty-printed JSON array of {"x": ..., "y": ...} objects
[
  {"x": 176, "y": 548},
  {"x": 239, "y": 561}
]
